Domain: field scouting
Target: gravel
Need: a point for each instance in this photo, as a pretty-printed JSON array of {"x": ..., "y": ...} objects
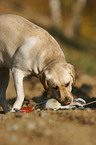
[
  {"x": 47, "y": 132},
  {"x": 31, "y": 126},
  {"x": 14, "y": 137},
  {"x": 13, "y": 128},
  {"x": 5, "y": 118}
]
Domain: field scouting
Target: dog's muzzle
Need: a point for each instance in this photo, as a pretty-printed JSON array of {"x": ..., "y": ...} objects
[{"x": 64, "y": 100}]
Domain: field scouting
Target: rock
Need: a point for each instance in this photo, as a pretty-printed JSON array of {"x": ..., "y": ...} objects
[
  {"x": 13, "y": 128},
  {"x": 55, "y": 118},
  {"x": 14, "y": 137},
  {"x": 88, "y": 110},
  {"x": 42, "y": 123},
  {"x": 18, "y": 115},
  {"x": 31, "y": 126},
  {"x": 47, "y": 132},
  {"x": 5, "y": 118},
  {"x": 92, "y": 120},
  {"x": 42, "y": 114}
]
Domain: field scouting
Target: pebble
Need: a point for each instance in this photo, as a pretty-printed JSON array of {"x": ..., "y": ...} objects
[
  {"x": 14, "y": 137},
  {"x": 50, "y": 121},
  {"x": 88, "y": 110},
  {"x": 55, "y": 118},
  {"x": 59, "y": 112},
  {"x": 42, "y": 114},
  {"x": 92, "y": 120},
  {"x": 13, "y": 128},
  {"x": 18, "y": 115},
  {"x": 42, "y": 123},
  {"x": 37, "y": 110},
  {"x": 47, "y": 132},
  {"x": 5, "y": 118},
  {"x": 31, "y": 126}
]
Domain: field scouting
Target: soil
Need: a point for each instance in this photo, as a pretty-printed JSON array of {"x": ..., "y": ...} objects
[
  {"x": 44, "y": 127},
  {"x": 47, "y": 127}
]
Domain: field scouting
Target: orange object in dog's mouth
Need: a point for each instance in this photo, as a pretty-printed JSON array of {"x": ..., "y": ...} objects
[{"x": 27, "y": 109}]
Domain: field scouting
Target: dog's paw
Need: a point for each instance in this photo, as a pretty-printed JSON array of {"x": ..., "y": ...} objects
[{"x": 15, "y": 110}]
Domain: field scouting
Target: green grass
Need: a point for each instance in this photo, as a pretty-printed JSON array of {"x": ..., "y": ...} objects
[{"x": 82, "y": 60}]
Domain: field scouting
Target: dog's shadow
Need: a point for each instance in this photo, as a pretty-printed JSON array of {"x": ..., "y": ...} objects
[{"x": 81, "y": 92}]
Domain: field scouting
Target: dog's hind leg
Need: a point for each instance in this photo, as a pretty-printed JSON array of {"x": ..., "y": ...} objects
[{"x": 4, "y": 80}]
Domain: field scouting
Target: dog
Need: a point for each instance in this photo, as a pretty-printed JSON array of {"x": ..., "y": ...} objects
[{"x": 26, "y": 49}]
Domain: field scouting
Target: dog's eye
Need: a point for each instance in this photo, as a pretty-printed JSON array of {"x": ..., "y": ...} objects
[
  {"x": 56, "y": 88},
  {"x": 67, "y": 84}
]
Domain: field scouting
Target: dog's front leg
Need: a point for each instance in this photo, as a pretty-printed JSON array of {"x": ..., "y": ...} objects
[{"x": 18, "y": 76}]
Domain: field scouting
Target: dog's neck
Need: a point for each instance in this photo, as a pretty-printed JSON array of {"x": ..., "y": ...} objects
[{"x": 41, "y": 75}]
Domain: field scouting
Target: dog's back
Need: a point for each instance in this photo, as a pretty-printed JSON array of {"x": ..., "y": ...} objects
[{"x": 15, "y": 30}]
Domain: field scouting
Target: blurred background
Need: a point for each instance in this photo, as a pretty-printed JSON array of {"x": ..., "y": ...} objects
[{"x": 71, "y": 22}]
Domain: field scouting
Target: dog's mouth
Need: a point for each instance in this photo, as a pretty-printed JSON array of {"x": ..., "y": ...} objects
[
  {"x": 66, "y": 102},
  {"x": 56, "y": 95}
]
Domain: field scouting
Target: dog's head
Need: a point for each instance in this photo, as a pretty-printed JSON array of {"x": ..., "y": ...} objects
[{"x": 59, "y": 79}]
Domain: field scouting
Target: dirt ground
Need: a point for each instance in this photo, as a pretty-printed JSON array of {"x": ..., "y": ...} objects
[
  {"x": 44, "y": 127},
  {"x": 47, "y": 127}
]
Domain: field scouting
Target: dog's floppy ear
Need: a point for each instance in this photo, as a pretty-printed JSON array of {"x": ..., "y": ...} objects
[{"x": 72, "y": 72}]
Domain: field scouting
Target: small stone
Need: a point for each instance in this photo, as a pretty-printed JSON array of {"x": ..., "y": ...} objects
[
  {"x": 18, "y": 115},
  {"x": 13, "y": 128},
  {"x": 42, "y": 114},
  {"x": 32, "y": 126},
  {"x": 50, "y": 121},
  {"x": 37, "y": 110},
  {"x": 92, "y": 120},
  {"x": 5, "y": 118},
  {"x": 71, "y": 117},
  {"x": 42, "y": 123},
  {"x": 59, "y": 112},
  {"x": 88, "y": 110},
  {"x": 14, "y": 137},
  {"x": 47, "y": 132}
]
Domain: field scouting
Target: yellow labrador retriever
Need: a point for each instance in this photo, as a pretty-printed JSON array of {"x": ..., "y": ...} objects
[{"x": 28, "y": 49}]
